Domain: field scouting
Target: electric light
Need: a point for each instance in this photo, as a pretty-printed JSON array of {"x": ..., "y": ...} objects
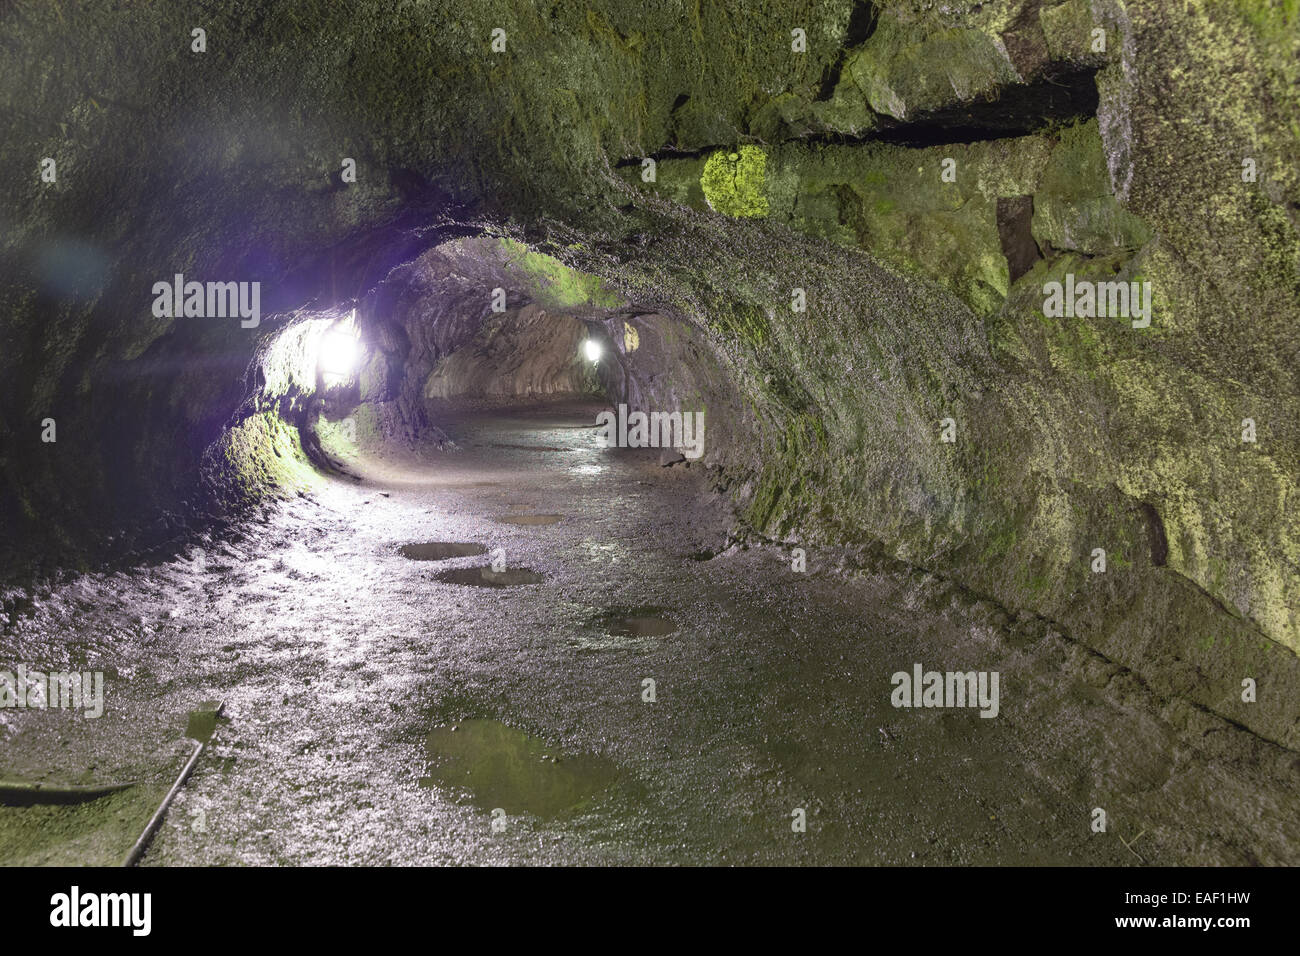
[
  {"x": 592, "y": 350},
  {"x": 338, "y": 354}
]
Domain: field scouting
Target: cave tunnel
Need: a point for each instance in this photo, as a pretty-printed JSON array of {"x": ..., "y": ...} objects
[{"x": 589, "y": 433}]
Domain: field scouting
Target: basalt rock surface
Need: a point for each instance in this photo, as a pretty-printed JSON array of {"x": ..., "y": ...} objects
[{"x": 840, "y": 249}]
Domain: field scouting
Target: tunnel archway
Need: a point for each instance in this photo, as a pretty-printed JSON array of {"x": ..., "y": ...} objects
[
  {"x": 840, "y": 256},
  {"x": 477, "y": 321}
]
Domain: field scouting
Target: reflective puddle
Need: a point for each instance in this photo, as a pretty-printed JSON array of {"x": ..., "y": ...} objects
[
  {"x": 529, "y": 519},
  {"x": 623, "y": 628},
  {"x": 645, "y": 621},
  {"x": 441, "y": 550},
  {"x": 485, "y": 577},
  {"x": 202, "y": 723},
  {"x": 506, "y": 768}
]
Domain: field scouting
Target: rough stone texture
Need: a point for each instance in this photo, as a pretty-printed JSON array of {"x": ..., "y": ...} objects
[
  {"x": 824, "y": 425},
  {"x": 529, "y": 354}
]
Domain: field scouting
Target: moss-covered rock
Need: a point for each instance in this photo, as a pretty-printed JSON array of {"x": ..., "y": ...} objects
[
  {"x": 1075, "y": 208},
  {"x": 1072, "y": 434},
  {"x": 258, "y": 458},
  {"x": 734, "y": 182},
  {"x": 908, "y": 68}
]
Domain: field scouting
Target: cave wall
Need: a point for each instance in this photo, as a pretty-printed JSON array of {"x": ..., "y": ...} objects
[
  {"x": 480, "y": 317},
  {"x": 776, "y": 170},
  {"x": 527, "y": 354},
  {"x": 1075, "y": 434}
]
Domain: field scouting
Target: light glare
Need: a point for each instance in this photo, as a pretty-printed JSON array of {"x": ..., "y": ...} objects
[
  {"x": 592, "y": 349},
  {"x": 338, "y": 353}
]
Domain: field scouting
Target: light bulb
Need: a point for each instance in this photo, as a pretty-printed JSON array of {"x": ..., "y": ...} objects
[{"x": 338, "y": 353}]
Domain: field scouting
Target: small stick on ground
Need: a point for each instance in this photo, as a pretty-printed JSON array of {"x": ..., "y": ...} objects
[
  {"x": 1129, "y": 848},
  {"x": 142, "y": 844}
]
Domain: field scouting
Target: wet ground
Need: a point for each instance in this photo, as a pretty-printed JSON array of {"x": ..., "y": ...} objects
[{"x": 559, "y": 673}]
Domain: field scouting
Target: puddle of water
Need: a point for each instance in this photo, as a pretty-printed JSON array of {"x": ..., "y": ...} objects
[
  {"x": 636, "y": 622},
  {"x": 506, "y": 768},
  {"x": 529, "y": 519},
  {"x": 441, "y": 550},
  {"x": 622, "y": 629},
  {"x": 202, "y": 723},
  {"x": 485, "y": 577}
]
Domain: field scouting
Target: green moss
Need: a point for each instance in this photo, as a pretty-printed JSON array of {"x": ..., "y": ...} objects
[
  {"x": 1038, "y": 584},
  {"x": 262, "y": 457},
  {"x": 340, "y": 438},
  {"x": 734, "y": 183},
  {"x": 1073, "y": 206},
  {"x": 1068, "y": 28},
  {"x": 749, "y": 324},
  {"x": 1000, "y": 541},
  {"x": 554, "y": 285},
  {"x": 909, "y": 66},
  {"x": 785, "y": 490},
  {"x": 366, "y": 420},
  {"x": 1271, "y": 19}
]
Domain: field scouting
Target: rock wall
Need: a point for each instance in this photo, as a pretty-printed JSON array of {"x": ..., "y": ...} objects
[
  {"x": 777, "y": 167},
  {"x": 529, "y": 354}
]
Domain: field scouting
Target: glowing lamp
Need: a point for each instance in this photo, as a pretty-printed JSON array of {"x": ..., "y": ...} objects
[{"x": 338, "y": 354}]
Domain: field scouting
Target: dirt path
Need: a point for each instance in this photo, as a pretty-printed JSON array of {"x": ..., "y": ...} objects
[{"x": 344, "y": 665}]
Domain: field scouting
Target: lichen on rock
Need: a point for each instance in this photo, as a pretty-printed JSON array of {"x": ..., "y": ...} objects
[{"x": 734, "y": 182}]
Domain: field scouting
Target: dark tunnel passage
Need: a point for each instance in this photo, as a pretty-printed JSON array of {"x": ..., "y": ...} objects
[{"x": 643, "y": 444}]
